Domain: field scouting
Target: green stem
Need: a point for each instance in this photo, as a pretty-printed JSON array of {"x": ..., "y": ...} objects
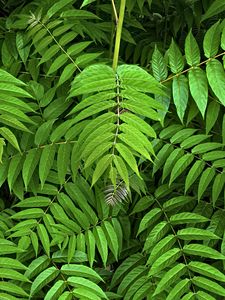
[{"x": 118, "y": 34}]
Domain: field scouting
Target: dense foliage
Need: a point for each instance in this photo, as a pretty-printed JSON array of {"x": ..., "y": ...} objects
[{"x": 112, "y": 171}]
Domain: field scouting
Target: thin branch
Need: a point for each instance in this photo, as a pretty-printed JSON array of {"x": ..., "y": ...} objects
[
  {"x": 200, "y": 64},
  {"x": 115, "y": 11}
]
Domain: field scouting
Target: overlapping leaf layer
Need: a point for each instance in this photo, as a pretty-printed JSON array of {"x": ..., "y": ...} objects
[{"x": 112, "y": 181}]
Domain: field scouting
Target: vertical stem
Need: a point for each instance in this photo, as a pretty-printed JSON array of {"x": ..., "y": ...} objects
[{"x": 118, "y": 34}]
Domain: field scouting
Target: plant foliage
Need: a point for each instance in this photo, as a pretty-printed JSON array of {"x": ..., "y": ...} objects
[{"x": 112, "y": 174}]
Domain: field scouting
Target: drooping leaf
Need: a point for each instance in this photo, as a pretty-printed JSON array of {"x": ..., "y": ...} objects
[
  {"x": 46, "y": 161},
  {"x": 180, "y": 95},
  {"x": 199, "y": 88},
  {"x": 43, "y": 279},
  {"x": 216, "y": 77}
]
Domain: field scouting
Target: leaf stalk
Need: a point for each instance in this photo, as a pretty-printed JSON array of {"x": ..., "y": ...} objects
[{"x": 118, "y": 34}]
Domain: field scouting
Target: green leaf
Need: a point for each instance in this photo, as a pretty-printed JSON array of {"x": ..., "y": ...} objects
[
  {"x": 180, "y": 95},
  {"x": 7, "y": 262},
  {"x": 43, "y": 132},
  {"x": 67, "y": 37},
  {"x": 169, "y": 131},
  {"x": 149, "y": 218},
  {"x": 165, "y": 260},
  {"x": 211, "y": 40},
  {"x": 89, "y": 80},
  {"x": 101, "y": 243},
  {"x": 212, "y": 115},
  {"x": 161, "y": 157},
  {"x": 180, "y": 166},
  {"x": 87, "y": 284},
  {"x": 194, "y": 173},
  {"x": 171, "y": 160},
  {"x": 58, "y": 63},
  {"x": 121, "y": 168},
  {"x": 12, "y": 288},
  {"x": 43, "y": 279},
  {"x": 192, "y": 52},
  {"x": 175, "y": 58},
  {"x": 202, "y": 250},
  {"x": 49, "y": 53},
  {"x": 90, "y": 243},
  {"x": 131, "y": 278},
  {"x": 13, "y": 122},
  {"x": 102, "y": 165},
  {"x": 79, "y": 270},
  {"x": 111, "y": 237},
  {"x": 46, "y": 161},
  {"x": 179, "y": 289},
  {"x": 161, "y": 247},
  {"x": 78, "y": 47},
  {"x": 138, "y": 123},
  {"x": 79, "y": 197},
  {"x": 182, "y": 135},
  {"x": 86, "y": 2},
  {"x": 126, "y": 265},
  {"x": 136, "y": 78},
  {"x": 15, "y": 167},
  {"x": 204, "y": 296},
  {"x": 159, "y": 67},
  {"x": 7, "y": 77},
  {"x": 193, "y": 140},
  {"x": 13, "y": 90},
  {"x": 84, "y": 59},
  {"x": 215, "y": 8},
  {"x": 202, "y": 148},
  {"x": 12, "y": 274},
  {"x": 37, "y": 201},
  {"x": 71, "y": 247},
  {"x": 10, "y": 137},
  {"x": 143, "y": 204},
  {"x": 199, "y": 88},
  {"x": 208, "y": 285},
  {"x": 84, "y": 293},
  {"x": 216, "y": 78},
  {"x": 97, "y": 153},
  {"x": 217, "y": 187},
  {"x": 31, "y": 213},
  {"x": 128, "y": 157},
  {"x": 35, "y": 242},
  {"x": 187, "y": 217},
  {"x": 56, "y": 290},
  {"x": 44, "y": 238},
  {"x": 223, "y": 39},
  {"x": 63, "y": 160},
  {"x": 2, "y": 144},
  {"x": 191, "y": 233},
  {"x": 57, "y": 7},
  {"x": 131, "y": 141},
  {"x": 206, "y": 270},
  {"x": 134, "y": 287},
  {"x": 78, "y": 14},
  {"x": 213, "y": 155},
  {"x": 67, "y": 73},
  {"x": 177, "y": 202},
  {"x": 170, "y": 277},
  {"x": 37, "y": 266},
  {"x": 30, "y": 164},
  {"x": 205, "y": 180}
]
